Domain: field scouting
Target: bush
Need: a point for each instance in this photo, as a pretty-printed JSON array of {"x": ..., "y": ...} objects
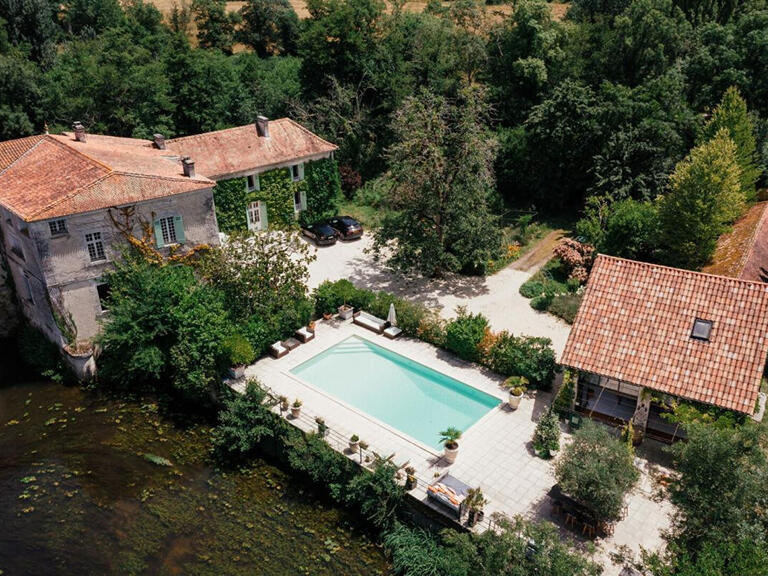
[
  {"x": 245, "y": 420},
  {"x": 464, "y": 333},
  {"x": 565, "y": 306},
  {"x": 532, "y": 288},
  {"x": 597, "y": 470},
  {"x": 525, "y": 356},
  {"x": 432, "y": 329},
  {"x": 542, "y": 302},
  {"x": 376, "y": 494},
  {"x": 239, "y": 350},
  {"x": 546, "y": 438},
  {"x": 564, "y": 399}
]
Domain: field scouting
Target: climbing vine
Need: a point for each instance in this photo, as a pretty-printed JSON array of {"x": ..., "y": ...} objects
[
  {"x": 323, "y": 190},
  {"x": 231, "y": 198},
  {"x": 277, "y": 190}
]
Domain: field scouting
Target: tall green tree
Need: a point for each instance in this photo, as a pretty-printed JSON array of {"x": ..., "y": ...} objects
[
  {"x": 270, "y": 27},
  {"x": 732, "y": 116},
  {"x": 719, "y": 526},
  {"x": 705, "y": 195},
  {"x": 215, "y": 25},
  {"x": 441, "y": 167}
]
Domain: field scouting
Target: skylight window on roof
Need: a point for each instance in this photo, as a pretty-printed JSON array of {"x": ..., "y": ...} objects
[{"x": 701, "y": 329}]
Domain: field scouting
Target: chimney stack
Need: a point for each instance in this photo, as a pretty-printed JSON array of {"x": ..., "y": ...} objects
[
  {"x": 159, "y": 141},
  {"x": 79, "y": 131},
  {"x": 262, "y": 126},
  {"x": 189, "y": 166}
]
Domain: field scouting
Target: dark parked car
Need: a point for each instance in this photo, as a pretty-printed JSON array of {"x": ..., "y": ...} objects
[
  {"x": 347, "y": 227},
  {"x": 321, "y": 232}
]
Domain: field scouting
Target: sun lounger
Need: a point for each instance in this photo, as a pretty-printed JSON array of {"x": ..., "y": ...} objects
[
  {"x": 278, "y": 350},
  {"x": 304, "y": 334},
  {"x": 369, "y": 321},
  {"x": 392, "y": 332},
  {"x": 450, "y": 492}
]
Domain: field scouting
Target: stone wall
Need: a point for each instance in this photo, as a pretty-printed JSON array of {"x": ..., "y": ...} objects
[{"x": 9, "y": 315}]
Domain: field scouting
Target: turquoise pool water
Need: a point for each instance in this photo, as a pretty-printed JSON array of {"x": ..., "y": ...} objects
[{"x": 404, "y": 394}]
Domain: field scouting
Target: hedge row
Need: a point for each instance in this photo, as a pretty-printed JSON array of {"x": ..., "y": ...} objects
[{"x": 468, "y": 335}]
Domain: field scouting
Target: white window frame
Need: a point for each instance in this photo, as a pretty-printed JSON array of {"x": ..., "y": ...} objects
[
  {"x": 255, "y": 213},
  {"x": 297, "y": 172},
  {"x": 57, "y": 227},
  {"x": 94, "y": 245},
  {"x": 256, "y": 182},
  {"x": 168, "y": 230}
]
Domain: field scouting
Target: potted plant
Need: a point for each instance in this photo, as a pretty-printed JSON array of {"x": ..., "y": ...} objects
[
  {"x": 322, "y": 427},
  {"x": 284, "y": 405},
  {"x": 364, "y": 446},
  {"x": 296, "y": 408},
  {"x": 546, "y": 438},
  {"x": 410, "y": 478},
  {"x": 354, "y": 443},
  {"x": 327, "y": 315},
  {"x": 240, "y": 354},
  {"x": 311, "y": 326},
  {"x": 449, "y": 439},
  {"x": 475, "y": 502},
  {"x": 516, "y": 386}
]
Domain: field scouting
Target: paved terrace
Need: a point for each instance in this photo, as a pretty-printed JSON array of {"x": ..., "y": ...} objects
[{"x": 495, "y": 454}]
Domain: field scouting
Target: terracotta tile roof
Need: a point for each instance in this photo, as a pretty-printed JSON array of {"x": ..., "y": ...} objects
[
  {"x": 236, "y": 150},
  {"x": 743, "y": 251},
  {"x": 635, "y": 324},
  {"x": 52, "y": 176}
]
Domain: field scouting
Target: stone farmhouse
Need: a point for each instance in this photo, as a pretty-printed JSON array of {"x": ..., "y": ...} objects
[{"x": 67, "y": 203}]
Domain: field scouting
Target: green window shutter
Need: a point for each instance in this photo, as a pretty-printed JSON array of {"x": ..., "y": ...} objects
[
  {"x": 303, "y": 199},
  {"x": 263, "y": 210},
  {"x": 178, "y": 225},
  {"x": 158, "y": 234}
]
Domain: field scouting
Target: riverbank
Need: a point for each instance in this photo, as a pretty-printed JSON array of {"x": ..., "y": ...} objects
[{"x": 94, "y": 485}]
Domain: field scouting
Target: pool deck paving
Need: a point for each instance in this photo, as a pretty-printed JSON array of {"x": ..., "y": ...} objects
[{"x": 495, "y": 454}]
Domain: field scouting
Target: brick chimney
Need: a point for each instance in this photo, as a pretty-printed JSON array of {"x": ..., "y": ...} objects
[
  {"x": 79, "y": 131},
  {"x": 189, "y": 166},
  {"x": 262, "y": 126},
  {"x": 159, "y": 141}
]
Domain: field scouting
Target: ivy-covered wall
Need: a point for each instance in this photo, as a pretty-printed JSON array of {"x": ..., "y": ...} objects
[
  {"x": 277, "y": 190},
  {"x": 323, "y": 189},
  {"x": 231, "y": 198},
  {"x": 321, "y": 184}
]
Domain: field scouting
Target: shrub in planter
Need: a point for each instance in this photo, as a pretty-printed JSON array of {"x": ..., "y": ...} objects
[
  {"x": 464, "y": 333},
  {"x": 239, "y": 350},
  {"x": 564, "y": 399},
  {"x": 525, "y": 356},
  {"x": 354, "y": 443},
  {"x": 546, "y": 437},
  {"x": 597, "y": 470},
  {"x": 296, "y": 408}
]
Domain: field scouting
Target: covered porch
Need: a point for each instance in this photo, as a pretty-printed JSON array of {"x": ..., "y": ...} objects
[{"x": 615, "y": 402}]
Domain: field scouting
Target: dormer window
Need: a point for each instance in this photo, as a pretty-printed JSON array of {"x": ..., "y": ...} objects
[
  {"x": 58, "y": 227},
  {"x": 701, "y": 329}
]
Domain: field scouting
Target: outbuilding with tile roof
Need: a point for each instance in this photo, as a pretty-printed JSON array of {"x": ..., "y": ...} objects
[{"x": 645, "y": 331}]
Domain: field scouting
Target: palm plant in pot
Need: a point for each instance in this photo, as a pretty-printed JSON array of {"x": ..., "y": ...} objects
[
  {"x": 516, "y": 386},
  {"x": 296, "y": 408},
  {"x": 475, "y": 502},
  {"x": 354, "y": 443},
  {"x": 449, "y": 439}
]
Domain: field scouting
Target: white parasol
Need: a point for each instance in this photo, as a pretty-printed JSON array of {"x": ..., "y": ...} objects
[{"x": 392, "y": 317}]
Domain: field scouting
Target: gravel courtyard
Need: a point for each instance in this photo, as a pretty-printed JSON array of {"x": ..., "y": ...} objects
[{"x": 497, "y": 296}]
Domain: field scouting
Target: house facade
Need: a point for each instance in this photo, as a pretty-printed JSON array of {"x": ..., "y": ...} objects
[
  {"x": 66, "y": 205},
  {"x": 648, "y": 336},
  {"x": 250, "y": 158}
]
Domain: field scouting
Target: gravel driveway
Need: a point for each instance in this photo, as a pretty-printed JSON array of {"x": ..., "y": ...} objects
[{"x": 497, "y": 296}]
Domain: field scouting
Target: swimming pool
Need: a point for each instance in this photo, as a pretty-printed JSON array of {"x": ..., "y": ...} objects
[{"x": 401, "y": 393}]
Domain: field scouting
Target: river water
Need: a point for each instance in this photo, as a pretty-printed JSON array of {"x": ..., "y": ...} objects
[{"x": 90, "y": 485}]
